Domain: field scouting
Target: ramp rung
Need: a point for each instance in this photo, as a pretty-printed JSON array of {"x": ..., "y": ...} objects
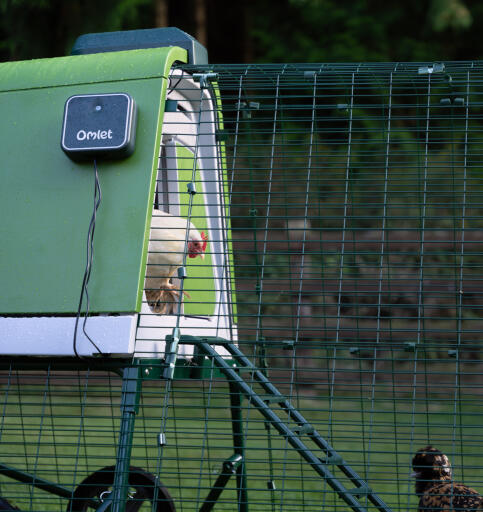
[
  {"x": 333, "y": 459},
  {"x": 363, "y": 490},
  {"x": 273, "y": 398},
  {"x": 307, "y": 428}
]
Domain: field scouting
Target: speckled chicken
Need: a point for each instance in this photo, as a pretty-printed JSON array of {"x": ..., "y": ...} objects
[
  {"x": 436, "y": 488},
  {"x": 169, "y": 240}
]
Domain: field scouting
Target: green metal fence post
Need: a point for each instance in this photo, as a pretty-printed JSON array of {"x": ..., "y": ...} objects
[{"x": 131, "y": 387}]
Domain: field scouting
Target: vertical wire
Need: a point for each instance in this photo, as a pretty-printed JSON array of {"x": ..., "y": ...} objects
[
  {"x": 306, "y": 213},
  {"x": 393, "y": 351},
  {"x": 185, "y": 255},
  {"x": 178, "y": 455},
  {"x": 418, "y": 334},
  {"x": 294, "y": 367},
  {"x": 190, "y": 203},
  {"x": 257, "y": 348},
  {"x": 421, "y": 323},
  {"x": 6, "y": 390},
  {"x": 237, "y": 128},
  {"x": 164, "y": 423},
  {"x": 221, "y": 305},
  {"x": 253, "y": 216},
  {"x": 460, "y": 290},
  {"x": 21, "y": 416},
  {"x": 226, "y": 285},
  {"x": 332, "y": 371},
  {"x": 205, "y": 445},
  {"x": 457, "y": 391},
  {"x": 40, "y": 434},
  {"x": 164, "y": 413},
  {"x": 81, "y": 434},
  {"x": 235, "y": 139},
  {"x": 268, "y": 209},
  {"x": 228, "y": 202},
  {"x": 5, "y": 401},
  {"x": 54, "y": 450},
  {"x": 282, "y": 493},
  {"x": 382, "y": 256},
  {"x": 112, "y": 397},
  {"x": 261, "y": 274},
  {"x": 84, "y": 437},
  {"x": 143, "y": 429},
  {"x": 342, "y": 254}
]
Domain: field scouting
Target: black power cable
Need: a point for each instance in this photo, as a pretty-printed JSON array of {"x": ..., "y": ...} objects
[{"x": 88, "y": 269}]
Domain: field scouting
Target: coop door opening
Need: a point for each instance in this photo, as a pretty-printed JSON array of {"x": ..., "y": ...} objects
[{"x": 181, "y": 169}]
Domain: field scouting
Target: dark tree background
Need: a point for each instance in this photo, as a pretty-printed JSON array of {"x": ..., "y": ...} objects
[{"x": 258, "y": 30}]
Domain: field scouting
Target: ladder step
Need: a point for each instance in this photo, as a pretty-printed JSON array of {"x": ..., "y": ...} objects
[
  {"x": 363, "y": 490},
  {"x": 332, "y": 459},
  {"x": 273, "y": 398},
  {"x": 307, "y": 428}
]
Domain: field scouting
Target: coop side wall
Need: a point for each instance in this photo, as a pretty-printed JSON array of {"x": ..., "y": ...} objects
[{"x": 48, "y": 199}]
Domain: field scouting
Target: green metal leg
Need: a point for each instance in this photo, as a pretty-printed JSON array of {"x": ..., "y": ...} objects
[
  {"x": 131, "y": 387},
  {"x": 239, "y": 445},
  {"x": 230, "y": 467}
]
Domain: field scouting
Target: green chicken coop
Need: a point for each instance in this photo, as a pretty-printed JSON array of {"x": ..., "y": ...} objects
[
  {"x": 174, "y": 133},
  {"x": 333, "y": 327}
]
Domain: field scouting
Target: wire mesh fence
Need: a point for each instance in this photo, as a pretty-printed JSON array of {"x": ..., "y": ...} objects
[{"x": 349, "y": 336}]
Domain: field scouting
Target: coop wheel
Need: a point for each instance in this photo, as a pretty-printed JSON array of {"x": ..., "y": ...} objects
[{"x": 144, "y": 487}]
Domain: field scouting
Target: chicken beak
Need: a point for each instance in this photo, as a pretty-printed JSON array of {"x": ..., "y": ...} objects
[
  {"x": 415, "y": 474},
  {"x": 202, "y": 255}
]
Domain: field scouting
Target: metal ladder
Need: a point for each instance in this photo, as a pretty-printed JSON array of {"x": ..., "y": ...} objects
[{"x": 295, "y": 428}]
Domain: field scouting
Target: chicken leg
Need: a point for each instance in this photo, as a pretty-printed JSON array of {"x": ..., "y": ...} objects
[{"x": 163, "y": 301}]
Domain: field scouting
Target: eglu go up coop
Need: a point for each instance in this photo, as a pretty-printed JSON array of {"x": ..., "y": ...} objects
[{"x": 326, "y": 326}]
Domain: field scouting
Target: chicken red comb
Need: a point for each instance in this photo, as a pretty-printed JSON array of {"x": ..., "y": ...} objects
[{"x": 205, "y": 241}]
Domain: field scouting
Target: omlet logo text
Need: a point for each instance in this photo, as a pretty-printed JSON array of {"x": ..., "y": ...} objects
[{"x": 98, "y": 135}]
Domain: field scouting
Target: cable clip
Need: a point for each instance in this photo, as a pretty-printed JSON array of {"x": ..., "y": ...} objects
[{"x": 428, "y": 70}]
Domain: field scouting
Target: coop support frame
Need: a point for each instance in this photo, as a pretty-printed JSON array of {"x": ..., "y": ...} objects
[
  {"x": 130, "y": 396},
  {"x": 133, "y": 374}
]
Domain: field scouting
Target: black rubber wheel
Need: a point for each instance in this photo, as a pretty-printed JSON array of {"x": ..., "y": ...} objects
[{"x": 144, "y": 484}]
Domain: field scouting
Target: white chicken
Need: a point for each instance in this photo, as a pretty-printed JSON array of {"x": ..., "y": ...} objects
[{"x": 165, "y": 255}]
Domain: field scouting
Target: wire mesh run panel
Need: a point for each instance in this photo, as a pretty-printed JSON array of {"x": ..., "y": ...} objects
[
  {"x": 355, "y": 210},
  {"x": 355, "y": 197}
]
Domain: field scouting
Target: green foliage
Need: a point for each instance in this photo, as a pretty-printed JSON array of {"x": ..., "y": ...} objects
[
  {"x": 358, "y": 31},
  {"x": 265, "y": 31}
]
